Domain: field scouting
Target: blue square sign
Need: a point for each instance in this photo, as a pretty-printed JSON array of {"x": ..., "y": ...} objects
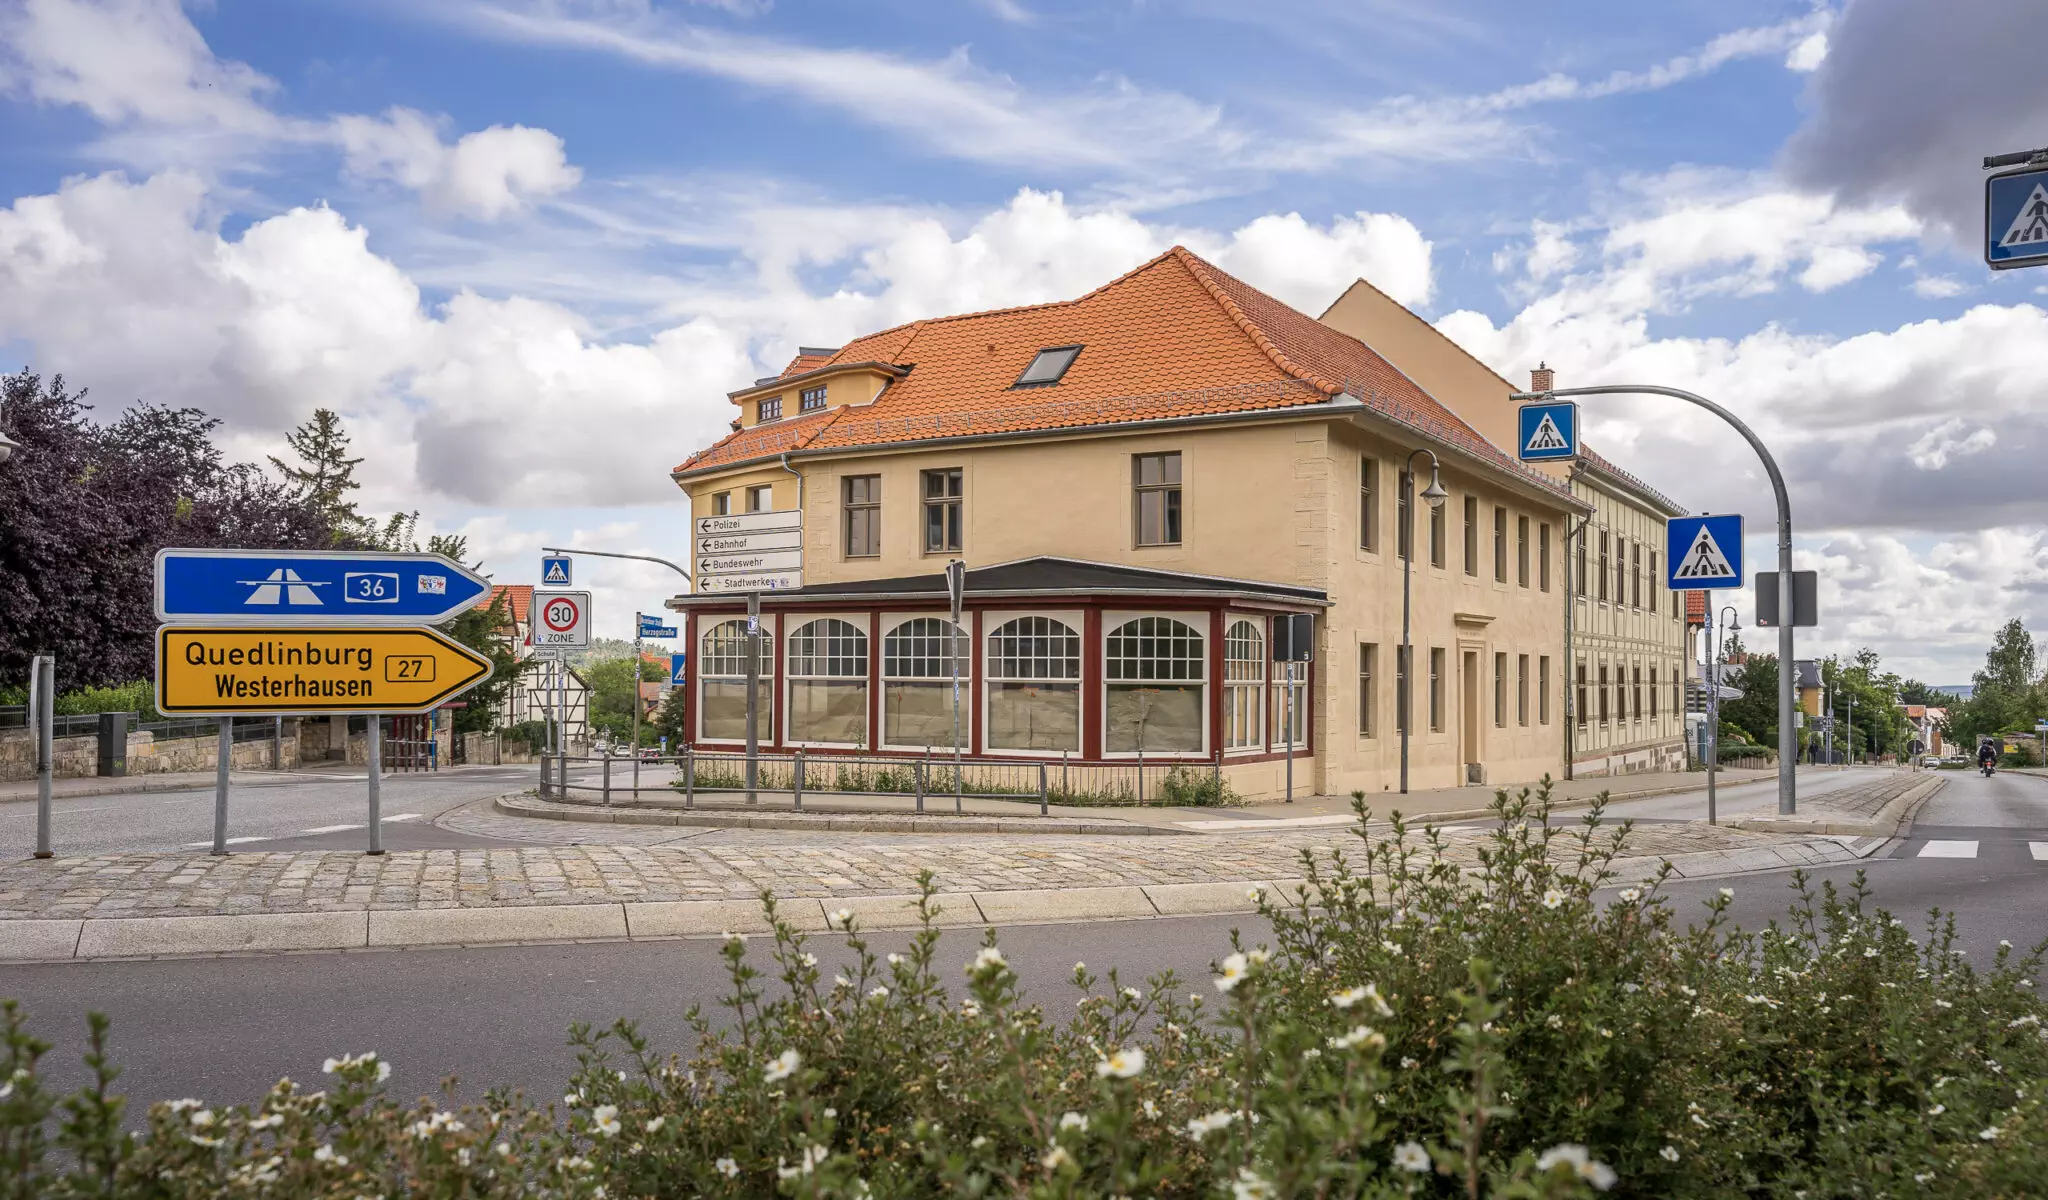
[
  {"x": 554, "y": 571},
  {"x": 1703, "y": 552},
  {"x": 676, "y": 664},
  {"x": 2016, "y": 218},
  {"x": 1548, "y": 431}
]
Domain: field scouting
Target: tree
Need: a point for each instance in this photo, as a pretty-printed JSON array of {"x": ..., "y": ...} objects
[
  {"x": 325, "y": 474},
  {"x": 85, "y": 507},
  {"x": 672, "y": 721},
  {"x": 611, "y": 694},
  {"x": 1756, "y": 713},
  {"x": 2005, "y": 695},
  {"x": 1912, "y": 691},
  {"x": 488, "y": 631}
]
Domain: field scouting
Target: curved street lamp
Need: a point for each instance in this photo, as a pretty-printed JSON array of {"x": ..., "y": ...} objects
[{"x": 1436, "y": 495}]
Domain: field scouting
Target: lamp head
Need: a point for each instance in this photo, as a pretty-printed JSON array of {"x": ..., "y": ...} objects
[{"x": 1435, "y": 493}]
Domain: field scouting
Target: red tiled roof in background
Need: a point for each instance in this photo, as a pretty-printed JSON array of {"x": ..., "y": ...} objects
[
  {"x": 1175, "y": 337},
  {"x": 804, "y": 362},
  {"x": 519, "y": 599},
  {"x": 1696, "y": 608},
  {"x": 1602, "y": 463}
]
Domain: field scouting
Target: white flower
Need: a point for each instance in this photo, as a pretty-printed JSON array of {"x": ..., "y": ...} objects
[
  {"x": 1410, "y": 1156},
  {"x": 727, "y": 1168},
  {"x": 502, "y": 1149},
  {"x": 1235, "y": 968},
  {"x": 1552, "y": 898},
  {"x": 1202, "y": 1127},
  {"x": 843, "y": 918},
  {"x": 575, "y": 1162},
  {"x": 1055, "y": 1158},
  {"x": 1870, "y": 952},
  {"x": 1255, "y": 894},
  {"x": 895, "y": 960},
  {"x": 1599, "y": 1174},
  {"x": 1937, "y": 1110},
  {"x": 1151, "y": 1109},
  {"x": 202, "y": 1118},
  {"x": 1347, "y": 997},
  {"x": 1390, "y": 947},
  {"x": 970, "y": 1007},
  {"x": 1073, "y": 1120},
  {"x": 1924, "y": 1177},
  {"x": 1360, "y": 1035},
  {"x": 979, "y": 1141},
  {"x": 270, "y": 1122},
  {"x": 731, "y": 938},
  {"x": 988, "y": 959},
  {"x": 841, "y": 981},
  {"x": 654, "y": 1124},
  {"x": 807, "y": 959},
  {"x": 1131, "y": 993},
  {"x": 605, "y": 1119},
  {"x": 572, "y": 1099},
  {"x": 1630, "y": 895},
  {"x": 1122, "y": 1064},
  {"x": 1379, "y": 1003},
  {"x": 1668, "y": 1154},
  {"x": 1988, "y": 1135},
  {"x": 784, "y": 1065},
  {"x": 1554, "y": 1021},
  {"x": 805, "y": 1163},
  {"x": 1727, "y": 893},
  {"x": 2004, "y": 945},
  {"x": 326, "y": 1154},
  {"x": 878, "y": 993},
  {"x": 1409, "y": 1064},
  {"x": 1249, "y": 1186},
  {"x": 1311, "y": 1054}
]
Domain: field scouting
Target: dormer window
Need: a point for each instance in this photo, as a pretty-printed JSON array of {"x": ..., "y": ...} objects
[
  {"x": 771, "y": 409},
  {"x": 1048, "y": 367},
  {"x": 813, "y": 399}
]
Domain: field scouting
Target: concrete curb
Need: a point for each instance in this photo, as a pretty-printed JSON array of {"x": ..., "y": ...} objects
[
  {"x": 524, "y": 804},
  {"x": 46, "y": 941}
]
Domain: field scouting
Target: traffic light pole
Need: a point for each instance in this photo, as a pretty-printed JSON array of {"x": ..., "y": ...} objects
[{"x": 1788, "y": 738}]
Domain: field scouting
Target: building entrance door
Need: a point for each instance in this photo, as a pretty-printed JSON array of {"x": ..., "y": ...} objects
[{"x": 1468, "y": 716}]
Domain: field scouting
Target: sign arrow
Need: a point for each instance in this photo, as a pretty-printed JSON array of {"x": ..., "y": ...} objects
[{"x": 228, "y": 670}]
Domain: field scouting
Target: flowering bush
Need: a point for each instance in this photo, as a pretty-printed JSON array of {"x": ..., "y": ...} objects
[{"x": 1413, "y": 1028}]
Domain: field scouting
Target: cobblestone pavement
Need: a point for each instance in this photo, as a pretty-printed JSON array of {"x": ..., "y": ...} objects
[{"x": 719, "y": 864}]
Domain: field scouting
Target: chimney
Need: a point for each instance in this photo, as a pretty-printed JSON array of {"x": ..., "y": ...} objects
[{"x": 1542, "y": 379}]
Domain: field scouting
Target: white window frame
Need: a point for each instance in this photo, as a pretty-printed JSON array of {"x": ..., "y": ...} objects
[
  {"x": 890, "y": 623},
  {"x": 1261, "y": 737},
  {"x": 704, "y": 675},
  {"x": 1200, "y": 623},
  {"x": 992, "y": 620},
  {"x": 795, "y": 622}
]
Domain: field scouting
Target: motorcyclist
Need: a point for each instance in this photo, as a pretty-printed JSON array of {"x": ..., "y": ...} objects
[{"x": 1986, "y": 758}]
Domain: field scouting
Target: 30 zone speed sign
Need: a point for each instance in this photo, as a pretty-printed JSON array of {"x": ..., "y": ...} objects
[{"x": 561, "y": 620}]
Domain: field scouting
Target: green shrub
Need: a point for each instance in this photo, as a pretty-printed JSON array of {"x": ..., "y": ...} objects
[
  {"x": 1414, "y": 1028},
  {"x": 138, "y": 697},
  {"x": 533, "y": 733},
  {"x": 1197, "y": 787}
]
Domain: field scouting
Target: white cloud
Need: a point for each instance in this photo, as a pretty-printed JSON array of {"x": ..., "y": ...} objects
[
  {"x": 486, "y": 174},
  {"x": 1934, "y": 449},
  {"x": 1309, "y": 266},
  {"x": 128, "y": 60},
  {"x": 1808, "y": 54},
  {"x": 1938, "y": 287}
]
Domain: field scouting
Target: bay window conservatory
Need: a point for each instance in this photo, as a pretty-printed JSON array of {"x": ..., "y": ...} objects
[
  {"x": 1153, "y": 669},
  {"x": 722, "y": 684},
  {"x": 1034, "y": 685},
  {"x": 917, "y": 685},
  {"x": 828, "y": 683}
]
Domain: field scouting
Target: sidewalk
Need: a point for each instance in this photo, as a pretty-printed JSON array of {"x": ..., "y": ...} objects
[{"x": 141, "y": 905}]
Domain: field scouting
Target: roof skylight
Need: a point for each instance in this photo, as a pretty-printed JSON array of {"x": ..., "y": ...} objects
[{"x": 1048, "y": 367}]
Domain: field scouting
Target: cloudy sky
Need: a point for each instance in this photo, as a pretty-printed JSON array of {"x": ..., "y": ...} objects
[{"x": 526, "y": 246}]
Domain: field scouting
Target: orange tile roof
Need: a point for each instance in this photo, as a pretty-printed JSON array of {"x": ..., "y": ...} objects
[
  {"x": 1602, "y": 463},
  {"x": 1174, "y": 337},
  {"x": 1695, "y": 607},
  {"x": 804, "y": 362},
  {"x": 519, "y": 599}
]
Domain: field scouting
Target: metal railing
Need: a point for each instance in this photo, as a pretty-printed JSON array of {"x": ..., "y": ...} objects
[
  {"x": 925, "y": 780},
  {"x": 246, "y": 729}
]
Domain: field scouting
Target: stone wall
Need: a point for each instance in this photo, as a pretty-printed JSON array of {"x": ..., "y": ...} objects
[{"x": 78, "y": 757}]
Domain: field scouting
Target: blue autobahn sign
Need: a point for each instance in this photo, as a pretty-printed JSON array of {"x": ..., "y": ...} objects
[{"x": 312, "y": 587}]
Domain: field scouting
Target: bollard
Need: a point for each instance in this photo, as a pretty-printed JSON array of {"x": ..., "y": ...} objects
[
  {"x": 1216, "y": 777},
  {"x": 223, "y": 758},
  {"x": 1043, "y": 810},
  {"x": 43, "y": 712},
  {"x": 374, "y": 744},
  {"x": 690, "y": 778},
  {"x": 113, "y": 744},
  {"x": 798, "y": 783},
  {"x": 917, "y": 770},
  {"x": 607, "y": 787},
  {"x": 277, "y": 743}
]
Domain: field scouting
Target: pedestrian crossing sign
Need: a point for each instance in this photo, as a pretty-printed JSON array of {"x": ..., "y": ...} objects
[
  {"x": 1548, "y": 431},
  {"x": 554, "y": 571},
  {"x": 1703, "y": 552},
  {"x": 2016, "y": 218}
]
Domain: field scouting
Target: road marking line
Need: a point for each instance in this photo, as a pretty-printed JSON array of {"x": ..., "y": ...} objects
[
  {"x": 1257, "y": 823},
  {"x": 331, "y": 829},
  {"x": 231, "y": 842},
  {"x": 1941, "y": 849},
  {"x": 2039, "y": 850},
  {"x": 397, "y": 817}
]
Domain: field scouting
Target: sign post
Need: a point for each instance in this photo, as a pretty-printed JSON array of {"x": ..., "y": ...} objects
[
  {"x": 42, "y": 706},
  {"x": 956, "y": 593},
  {"x": 753, "y": 695}
]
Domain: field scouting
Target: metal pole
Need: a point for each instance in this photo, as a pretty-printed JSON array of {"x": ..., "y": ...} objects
[
  {"x": 689, "y": 777},
  {"x": 375, "y": 745},
  {"x": 955, "y": 638},
  {"x": 43, "y": 712},
  {"x": 224, "y": 753},
  {"x": 1571, "y": 615},
  {"x": 797, "y": 780},
  {"x": 605, "y": 790},
  {"x": 1788, "y": 738},
  {"x": 636, "y": 706},
  {"x": 1290, "y": 731},
  {"x": 1404, "y": 541},
  {"x": 277, "y": 743},
  {"x": 753, "y": 694},
  {"x": 1713, "y": 738}
]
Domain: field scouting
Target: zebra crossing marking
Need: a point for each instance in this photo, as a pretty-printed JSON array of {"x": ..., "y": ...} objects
[{"x": 1949, "y": 849}]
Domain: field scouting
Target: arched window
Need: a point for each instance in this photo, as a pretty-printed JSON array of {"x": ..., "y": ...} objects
[
  {"x": 1154, "y": 672},
  {"x": 828, "y": 683},
  {"x": 1034, "y": 685},
  {"x": 1244, "y": 686},
  {"x": 722, "y": 684},
  {"x": 917, "y": 684}
]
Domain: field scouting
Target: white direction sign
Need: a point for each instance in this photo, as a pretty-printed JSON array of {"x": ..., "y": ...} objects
[
  {"x": 747, "y": 543},
  {"x": 561, "y": 620},
  {"x": 753, "y": 522},
  {"x": 763, "y": 581},
  {"x": 749, "y": 564}
]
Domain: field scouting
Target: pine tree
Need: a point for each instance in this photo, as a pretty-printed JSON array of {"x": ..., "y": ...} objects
[{"x": 326, "y": 474}]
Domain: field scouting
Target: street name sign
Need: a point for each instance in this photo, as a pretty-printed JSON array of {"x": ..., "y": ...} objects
[
  {"x": 561, "y": 620},
  {"x": 651, "y": 627},
  {"x": 296, "y": 670},
  {"x": 1703, "y": 552},
  {"x": 556, "y": 571},
  {"x": 2016, "y": 218},
  {"x": 1546, "y": 432},
  {"x": 764, "y": 581},
  {"x": 312, "y": 587}
]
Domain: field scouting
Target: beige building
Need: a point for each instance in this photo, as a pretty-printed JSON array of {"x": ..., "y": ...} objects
[
  {"x": 1144, "y": 483},
  {"x": 1628, "y": 633}
]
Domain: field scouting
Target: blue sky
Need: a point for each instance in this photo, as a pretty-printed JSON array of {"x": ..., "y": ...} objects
[{"x": 525, "y": 246}]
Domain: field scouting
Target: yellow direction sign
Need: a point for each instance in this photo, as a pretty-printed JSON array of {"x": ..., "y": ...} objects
[{"x": 212, "y": 670}]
